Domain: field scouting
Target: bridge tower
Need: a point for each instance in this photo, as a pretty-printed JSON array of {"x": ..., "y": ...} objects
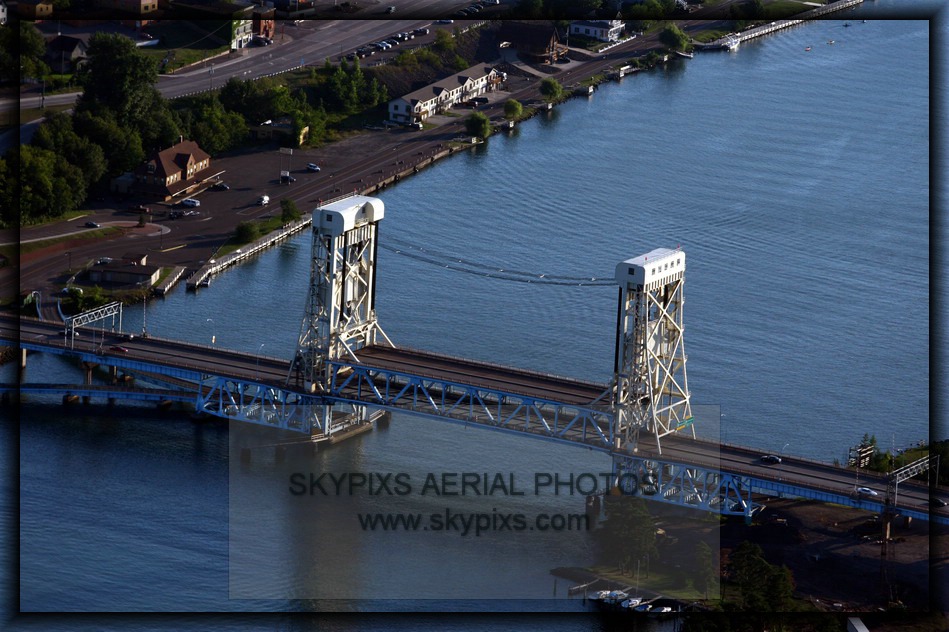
[
  {"x": 339, "y": 318},
  {"x": 650, "y": 389}
]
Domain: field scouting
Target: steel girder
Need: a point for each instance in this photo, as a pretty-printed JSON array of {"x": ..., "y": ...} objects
[
  {"x": 252, "y": 402},
  {"x": 396, "y": 390}
]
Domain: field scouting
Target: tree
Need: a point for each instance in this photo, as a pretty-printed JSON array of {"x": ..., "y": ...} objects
[
  {"x": 444, "y": 42},
  {"x": 122, "y": 147},
  {"x": 49, "y": 185},
  {"x": 289, "y": 211},
  {"x": 706, "y": 568},
  {"x": 674, "y": 38},
  {"x": 513, "y": 108},
  {"x": 57, "y": 135},
  {"x": 215, "y": 129},
  {"x": 8, "y": 189},
  {"x": 530, "y": 9},
  {"x": 32, "y": 47},
  {"x": 478, "y": 125},
  {"x": 118, "y": 76},
  {"x": 629, "y": 533},
  {"x": 551, "y": 89},
  {"x": 246, "y": 232}
]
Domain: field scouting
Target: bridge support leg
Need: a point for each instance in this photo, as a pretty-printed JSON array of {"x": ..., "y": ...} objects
[
  {"x": 114, "y": 374},
  {"x": 22, "y": 359}
]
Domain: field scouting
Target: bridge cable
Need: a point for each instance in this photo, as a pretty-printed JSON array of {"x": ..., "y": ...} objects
[{"x": 456, "y": 264}]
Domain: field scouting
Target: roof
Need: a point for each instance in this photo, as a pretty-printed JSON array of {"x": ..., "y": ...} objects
[
  {"x": 65, "y": 44},
  {"x": 599, "y": 24},
  {"x": 176, "y": 158},
  {"x": 432, "y": 91}
]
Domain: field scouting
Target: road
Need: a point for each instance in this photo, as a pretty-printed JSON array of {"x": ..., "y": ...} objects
[{"x": 274, "y": 371}]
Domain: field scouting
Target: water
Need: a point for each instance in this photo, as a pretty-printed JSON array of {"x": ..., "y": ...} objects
[{"x": 802, "y": 204}]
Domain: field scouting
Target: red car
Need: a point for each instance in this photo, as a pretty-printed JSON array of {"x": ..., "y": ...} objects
[{"x": 119, "y": 349}]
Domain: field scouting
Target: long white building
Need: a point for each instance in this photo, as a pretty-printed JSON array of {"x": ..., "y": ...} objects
[{"x": 417, "y": 106}]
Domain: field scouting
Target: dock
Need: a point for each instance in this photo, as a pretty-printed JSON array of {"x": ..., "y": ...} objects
[
  {"x": 169, "y": 281},
  {"x": 733, "y": 40},
  {"x": 213, "y": 266}
]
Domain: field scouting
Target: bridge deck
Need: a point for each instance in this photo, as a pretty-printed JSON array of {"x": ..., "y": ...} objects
[{"x": 487, "y": 375}]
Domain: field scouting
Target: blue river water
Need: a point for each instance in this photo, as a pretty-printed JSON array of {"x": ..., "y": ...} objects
[{"x": 796, "y": 181}]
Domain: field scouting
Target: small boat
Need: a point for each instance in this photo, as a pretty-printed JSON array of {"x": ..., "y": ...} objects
[
  {"x": 643, "y": 608},
  {"x": 632, "y": 602},
  {"x": 846, "y": 24},
  {"x": 808, "y": 48},
  {"x": 830, "y": 41}
]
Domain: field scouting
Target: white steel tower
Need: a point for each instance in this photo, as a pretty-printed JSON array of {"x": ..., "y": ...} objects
[
  {"x": 650, "y": 389},
  {"x": 340, "y": 317}
]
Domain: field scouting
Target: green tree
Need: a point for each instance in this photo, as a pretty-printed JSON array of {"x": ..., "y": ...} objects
[
  {"x": 119, "y": 77},
  {"x": 551, "y": 89},
  {"x": 9, "y": 195},
  {"x": 444, "y": 42},
  {"x": 215, "y": 129},
  {"x": 32, "y": 47},
  {"x": 478, "y": 125},
  {"x": 246, "y": 232},
  {"x": 122, "y": 147},
  {"x": 513, "y": 108},
  {"x": 289, "y": 211},
  {"x": 57, "y": 135},
  {"x": 707, "y": 578},
  {"x": 530, "y": 9},
  {"x": 779, "y": 589},
  {"x": 628, "y": 535},
  {"x": 674, "y": 38},
  {"x": 49, "y": 185}
]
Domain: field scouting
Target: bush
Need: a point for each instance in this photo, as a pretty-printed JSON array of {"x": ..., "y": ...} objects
[
  {"x": 513, "y": 108},
  {"x": 246, "y": 232}
]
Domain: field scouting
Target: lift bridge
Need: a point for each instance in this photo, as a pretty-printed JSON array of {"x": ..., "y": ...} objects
[{"x": 345, "y": 368}]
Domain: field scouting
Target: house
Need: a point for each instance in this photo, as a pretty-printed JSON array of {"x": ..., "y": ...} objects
[
  {"x": 602, "y": 30},
  {"x": 280, "y": 128},
  {"x": 241, "y": 33},
  {"x": 417, "y": 106},
  {"x": 135, "y": 258},
  {"x": 65, "y": 54},
  {"x": 136, "y": 7},
  {"x": 534, "y": 39},
  {"x": 35, "y": 9},
  {"x": 263, "y": 23},
  {"x": 3, "y": 12},
  {"x": 125, "y": 274},
  {"x": 173, "y": 171}
]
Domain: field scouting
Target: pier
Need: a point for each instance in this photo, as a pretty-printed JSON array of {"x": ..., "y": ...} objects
[{"x": 733, "y": 40}]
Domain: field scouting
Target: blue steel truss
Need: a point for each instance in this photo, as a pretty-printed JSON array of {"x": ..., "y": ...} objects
[
  {"x": 360, "y": 384},
  {"x": 354, "y": 386}
]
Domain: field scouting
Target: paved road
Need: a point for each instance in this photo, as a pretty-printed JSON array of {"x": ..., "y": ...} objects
[{"x": 223, "y": 362}]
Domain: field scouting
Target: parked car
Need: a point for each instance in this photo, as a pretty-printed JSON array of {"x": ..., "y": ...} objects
[
  {"x": 140, "y": 208},
  {"x": 91, "y": 225},
  {"x": 191, "y": 202},
  {"x": 865, "y": 491},
  {"x": 263, "y": 200},
  {"x": 771, "y": 458},
  {"x": 220, "y": 186},
  {"x": 175, "y": 215},
  {"x": 422, "y": 31},
  {"x": 312, "y": 166},
  {"x": 390, "y": 9}
]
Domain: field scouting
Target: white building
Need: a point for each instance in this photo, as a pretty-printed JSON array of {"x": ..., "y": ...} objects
[
  {"x": 3, "y": 12},
  {"x": 602, "y": 30},
  {"x": 243, "y": 32},
  {"x": 417, "y": 106}
]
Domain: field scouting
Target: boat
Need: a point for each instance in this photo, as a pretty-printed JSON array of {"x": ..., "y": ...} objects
[
  {"x": 808, "y": 48},
  {"x": 830, "y": 41},
  {"x": 846, "y": 24},
  {"x": 632, "y": 602},
  {"x": 615, "y": 597},
  {"x": 684, "y": 54}
]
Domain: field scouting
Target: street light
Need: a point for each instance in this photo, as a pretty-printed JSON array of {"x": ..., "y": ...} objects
[
  {"x": 69, "y": 254},
  {"x": 257, "y": 369},
  {"x": 211, "y": 320}
]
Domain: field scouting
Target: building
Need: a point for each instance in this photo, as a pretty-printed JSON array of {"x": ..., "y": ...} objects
[
  {"x": 537, "y": 40},
  {"x": 136, "y": 7},
  {"x": 263, "y": 24},
  {"x": 282, "y": 128},
  {"x": 417, "y": 106},
  {"x": 64, "y": 54},
  {"x": 35, "y": 9},
  {"x": 125, "y": 274},
  {"x": 602, "y": 30},
  {"x": 173, "y": 171},
  {"x": 3, "y": 12},
  {"x": 242, "y": 33}
]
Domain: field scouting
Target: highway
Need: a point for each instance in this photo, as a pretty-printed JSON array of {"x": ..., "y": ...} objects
[{"x": 274, "y": 371}]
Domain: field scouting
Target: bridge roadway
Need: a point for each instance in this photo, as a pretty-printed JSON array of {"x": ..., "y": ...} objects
[{"x": 273, "y": 371}]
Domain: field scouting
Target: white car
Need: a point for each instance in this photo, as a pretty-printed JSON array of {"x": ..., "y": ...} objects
[
  {"x": 191, "y": 202},
  {"x": 312, "y": 166},
  {"x": 865, "y": 491}
]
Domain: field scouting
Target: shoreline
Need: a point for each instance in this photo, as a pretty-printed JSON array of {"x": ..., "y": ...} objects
[{"x": 356, "y": 171}]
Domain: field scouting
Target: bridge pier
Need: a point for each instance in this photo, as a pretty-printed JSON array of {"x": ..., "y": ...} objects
[{"x": 113, "y": 374}]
